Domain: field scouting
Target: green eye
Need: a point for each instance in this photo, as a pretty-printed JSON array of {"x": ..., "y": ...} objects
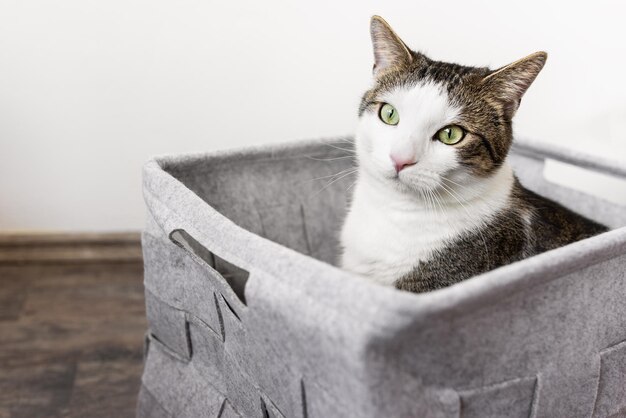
[
  {"x": 388, "y": 114},
  {"x": 450, "y": 135}
]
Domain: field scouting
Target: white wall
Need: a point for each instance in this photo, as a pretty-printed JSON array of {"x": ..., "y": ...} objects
[{"x": 90, "y": 89}]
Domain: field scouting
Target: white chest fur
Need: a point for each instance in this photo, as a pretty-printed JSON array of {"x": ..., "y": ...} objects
[{"x": 387, "y": 232}]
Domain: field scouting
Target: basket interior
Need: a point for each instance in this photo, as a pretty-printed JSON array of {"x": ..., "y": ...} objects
[{"x": 298, "y": 197}]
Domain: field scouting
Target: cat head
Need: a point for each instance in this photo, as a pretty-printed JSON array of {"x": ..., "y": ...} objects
[{"x": 425, "y": 122}]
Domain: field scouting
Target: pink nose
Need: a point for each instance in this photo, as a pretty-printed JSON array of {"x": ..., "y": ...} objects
[{"x": 401, "y": 163}]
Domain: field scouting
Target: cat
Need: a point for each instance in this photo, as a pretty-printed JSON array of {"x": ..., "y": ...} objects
[{"x": 435, "y": 201}]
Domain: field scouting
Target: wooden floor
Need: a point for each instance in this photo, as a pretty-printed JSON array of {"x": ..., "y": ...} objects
[{"x": 71, "y": 339}]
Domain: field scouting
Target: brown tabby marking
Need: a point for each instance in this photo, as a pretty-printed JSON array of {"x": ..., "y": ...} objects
[{"x": 530, "y": 224}]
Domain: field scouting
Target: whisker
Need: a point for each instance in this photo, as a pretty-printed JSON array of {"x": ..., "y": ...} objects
[
  {"x": 434, "y": 200},
  {"x": 341, "y": 149},
  {"x": 425, "y": 199},
  {"x": 335, "y": 180},
  {"x": 329, "y": 159},
  {"x": 331, "y": 175},
  {"x": 438, "y": 199},
  {"x": 348, "y": 140},
  {"x": 482, "y": 199},
  {"x": 455, "y": 183},
  {"x": 478, "y": 226}
]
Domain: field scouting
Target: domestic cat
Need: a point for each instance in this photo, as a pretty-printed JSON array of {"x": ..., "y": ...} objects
[{"x": 435, "y": 201}]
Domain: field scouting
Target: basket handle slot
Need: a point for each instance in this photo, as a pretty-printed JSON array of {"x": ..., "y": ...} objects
[
  {"x": 264, "y": 411},
  {"x": 593, "y": 163},
  {"x": 234, "y": 276},
  {"x": 589, "y": 180}
]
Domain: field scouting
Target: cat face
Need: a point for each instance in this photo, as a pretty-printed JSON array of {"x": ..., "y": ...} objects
[{"x": 426, "y": 124}]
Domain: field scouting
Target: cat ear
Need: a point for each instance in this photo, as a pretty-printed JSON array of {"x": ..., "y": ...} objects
[
  {"x": 389, "y": 50},
  {"x": 509, "y": 83}
]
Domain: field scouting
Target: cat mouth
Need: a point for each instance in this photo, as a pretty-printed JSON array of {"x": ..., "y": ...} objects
[{"x": 418, "y": 180}]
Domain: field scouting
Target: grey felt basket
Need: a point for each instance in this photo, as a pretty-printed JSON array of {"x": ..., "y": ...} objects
[{"x": 249, "y": 317}]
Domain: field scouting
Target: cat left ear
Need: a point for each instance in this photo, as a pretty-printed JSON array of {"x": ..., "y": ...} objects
[
  {"x": 389, "y": 50},
  {"x": 510, "y": 82}
]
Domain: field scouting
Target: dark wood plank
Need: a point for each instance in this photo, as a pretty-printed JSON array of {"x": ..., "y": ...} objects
[
  {"x": 36, "y": 384},
  {"x": 71, "y": 339},
  {"x": 106, "y": 384},
  {"x": 12, "y": 298},
  {"x": 69, "y": 248},
  {"x": 71, "y": 296},
  {"x": 8, "y": 239}
]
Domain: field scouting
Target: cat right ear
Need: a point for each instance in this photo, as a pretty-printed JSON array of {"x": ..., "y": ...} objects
[
  {"x": 509, "y": 83},
  {"x": 389, "y": 50}
]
